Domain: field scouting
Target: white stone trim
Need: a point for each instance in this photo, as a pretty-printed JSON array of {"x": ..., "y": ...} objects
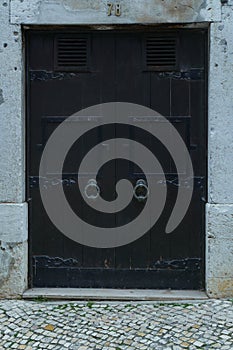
[
  {"x": 13, "y": 222},
  {"x": 219, "y": 250},
  {"x": 220, "y": 112}
]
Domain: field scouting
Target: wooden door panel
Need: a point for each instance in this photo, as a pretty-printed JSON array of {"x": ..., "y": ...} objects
[{"x": 118, "y": 69}]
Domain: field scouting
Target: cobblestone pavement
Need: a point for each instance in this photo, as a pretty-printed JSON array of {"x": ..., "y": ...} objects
[{"x": 114, "y": 326}]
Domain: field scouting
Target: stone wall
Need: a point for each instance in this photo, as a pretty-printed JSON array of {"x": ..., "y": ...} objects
[
  {"x": 13, "y": 209},
  {"x": 219, "y": 211}
]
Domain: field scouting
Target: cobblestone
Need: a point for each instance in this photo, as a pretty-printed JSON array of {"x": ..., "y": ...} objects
[{"x": 116, "y": 326}]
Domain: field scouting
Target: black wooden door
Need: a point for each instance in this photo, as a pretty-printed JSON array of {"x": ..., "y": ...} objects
[{"x": 71, "y": 70}]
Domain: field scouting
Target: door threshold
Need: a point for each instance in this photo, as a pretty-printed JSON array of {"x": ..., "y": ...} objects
[{"x": 100, "y": 294}]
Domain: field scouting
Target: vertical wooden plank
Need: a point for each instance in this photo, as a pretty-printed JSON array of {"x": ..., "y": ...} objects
[
  {"x": 132, "y": 85},
  {"x": 100, "y": 88}
]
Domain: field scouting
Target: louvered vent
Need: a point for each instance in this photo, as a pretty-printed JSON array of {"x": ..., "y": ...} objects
[
  {"x": 161, "y": 52},
  {"x": 72, "y": 53}
]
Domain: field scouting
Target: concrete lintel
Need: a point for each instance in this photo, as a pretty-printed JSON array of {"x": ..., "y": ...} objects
[{"x": 96, "y": 11}]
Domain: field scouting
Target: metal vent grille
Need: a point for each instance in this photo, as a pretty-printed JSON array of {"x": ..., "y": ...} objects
[
  {"x": 161, "y": 52},
  {"x": 72, "y": 53}
]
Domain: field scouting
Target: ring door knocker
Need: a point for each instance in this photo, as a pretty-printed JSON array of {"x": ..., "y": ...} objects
[
  {"x": 92, "y": 190},
  {"x": 141, "y": 190}
]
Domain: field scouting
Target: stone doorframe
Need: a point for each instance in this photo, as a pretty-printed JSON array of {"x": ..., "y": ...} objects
[{"x": 215, "y": 14}]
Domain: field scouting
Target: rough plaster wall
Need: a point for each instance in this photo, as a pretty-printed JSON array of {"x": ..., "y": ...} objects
[
  {"x": 11, "y": 130},
  {"x": 221, "y": 110},
  {"x": 95, "y": 11},
  {"x": 13, "y": 214}
]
